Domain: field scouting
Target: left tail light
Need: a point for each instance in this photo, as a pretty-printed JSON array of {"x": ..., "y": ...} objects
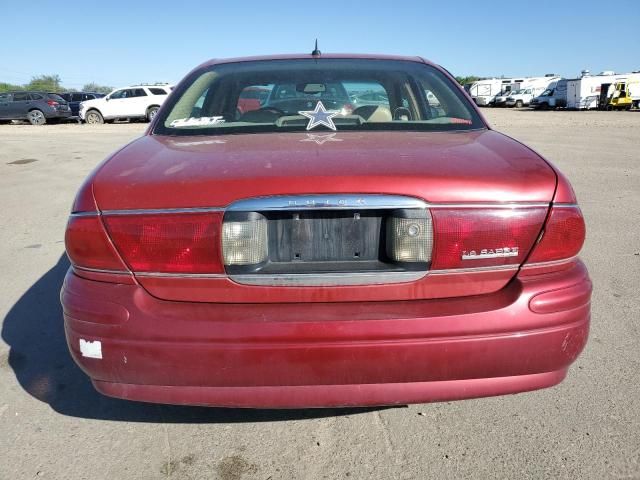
[
  {"x": 186, "y": 243},
  {"x": 52, "y": 103},
  {"x": 88, "y": 246}
]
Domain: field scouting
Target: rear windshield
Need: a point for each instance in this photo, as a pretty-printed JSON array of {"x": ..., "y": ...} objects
[
  {"x": 316, "y": 94},
  {"x": 55, "y": 97}
]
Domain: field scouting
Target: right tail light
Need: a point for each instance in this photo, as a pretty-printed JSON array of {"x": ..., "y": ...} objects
[
  {"x": 484, "y": 237},
  {"x": 563, "y": 235}
]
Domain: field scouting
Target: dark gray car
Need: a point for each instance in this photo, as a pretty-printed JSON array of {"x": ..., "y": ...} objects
[{"x": 37, "y": 107}]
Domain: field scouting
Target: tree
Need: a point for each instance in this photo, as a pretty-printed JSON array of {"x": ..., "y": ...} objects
[
  {"x": 94, "y": 87},
  {"x": 469, "y": 79},
  {"x": 47, "y": 83},
  {"x": 9, "y": 87}
]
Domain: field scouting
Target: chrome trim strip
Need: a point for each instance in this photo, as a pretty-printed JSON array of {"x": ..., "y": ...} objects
[
  {"x": 179, "y": 275},
  {"x": 320, "y": 279},
  {"x": 160, "y": 211},
  {"x": 99, "y": 270},
  {"x": 326, "y": 202},
  {"x": 84, "y": 214},
  {"x": 551, "y": 263},
  {"x": 490, "y": 205},
  {"x": 323, "y": 202},
  {"x": 475, "y": 269},
  {"x": 565, "y": 205},
  {"x": 327, "y": 279}
]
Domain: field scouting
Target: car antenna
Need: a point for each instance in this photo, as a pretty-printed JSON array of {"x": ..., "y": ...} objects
[{"x": 316, "y": 52}]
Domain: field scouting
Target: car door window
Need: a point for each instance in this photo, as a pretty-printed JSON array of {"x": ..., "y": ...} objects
[
  {"x": 88, "y": 96},
  {"x": 21, "y": 97},
  {"x": 158, "y": 91},
  {"x": 36, "y": 96},
  {"x": 118, "y": 94},
  {"x": 138, "y": 92},
  {"x": 367, "y": 94},
  {"x": 76, "y": 97}
]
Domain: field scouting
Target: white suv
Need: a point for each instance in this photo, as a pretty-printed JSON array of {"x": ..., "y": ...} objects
[{"x": 139, "y": 101}]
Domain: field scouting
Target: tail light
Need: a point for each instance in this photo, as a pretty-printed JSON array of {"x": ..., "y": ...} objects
[
  {"x": 244, "y": 239},
  {"x": 87, "y": 244},
  {"x": 52, "y": 103},
  {"x": 201, "y": 243},
  {"x": 563, "y": 235},
  {"x": 168, "y": 243},
  {"x": 475, "y": 237}
]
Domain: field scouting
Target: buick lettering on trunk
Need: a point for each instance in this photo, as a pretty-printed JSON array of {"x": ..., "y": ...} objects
[{"x": 324, "y": 230}]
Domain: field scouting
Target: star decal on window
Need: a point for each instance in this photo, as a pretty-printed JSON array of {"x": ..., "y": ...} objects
[{"x": 320, "y": 116}]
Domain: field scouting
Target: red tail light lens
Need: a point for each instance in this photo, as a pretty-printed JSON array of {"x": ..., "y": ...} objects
[
  {"x": 479, "y": 237},
  {"x": 88, "y": 246},
  {"x": 563, "y": 235},
  {"x": 52, "y": 103},
  {"x": 168, "y": 243}
]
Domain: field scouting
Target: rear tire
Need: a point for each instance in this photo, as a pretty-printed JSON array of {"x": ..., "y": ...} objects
[
  {"x": 519, "y": 104},
  {"x": 151, "y": 113},
  {"x": 94, "y": 117},
  {"x": 36, "y": 117}
]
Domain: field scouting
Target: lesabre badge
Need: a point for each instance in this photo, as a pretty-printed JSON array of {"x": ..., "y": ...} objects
[{"x": 320, "y": 116}]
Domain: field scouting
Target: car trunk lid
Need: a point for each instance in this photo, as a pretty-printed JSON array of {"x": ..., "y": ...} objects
[{"x": 480, "y": 181}]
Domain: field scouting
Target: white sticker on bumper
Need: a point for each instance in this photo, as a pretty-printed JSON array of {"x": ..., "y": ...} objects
[{"x": 91, "y": 349}]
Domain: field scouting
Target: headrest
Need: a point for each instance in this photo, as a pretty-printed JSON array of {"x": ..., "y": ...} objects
[{"x": 374, "y": 113}]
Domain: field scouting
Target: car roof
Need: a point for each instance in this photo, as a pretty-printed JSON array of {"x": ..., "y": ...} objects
[
  {"x": 306, "y": 56},
  {"x": 27, "y": 91}
]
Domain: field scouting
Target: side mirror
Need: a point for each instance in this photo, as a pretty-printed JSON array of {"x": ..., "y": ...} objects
[{"x": 106, "y": 98}]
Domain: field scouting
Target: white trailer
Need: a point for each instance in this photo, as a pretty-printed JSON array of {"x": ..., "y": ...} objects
[
  {"x": 483, "y": 92},
  {"x": 584, "y": 93}
]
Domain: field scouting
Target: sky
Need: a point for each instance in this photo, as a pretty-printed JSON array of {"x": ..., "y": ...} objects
[{"x": 119, "y": 43}]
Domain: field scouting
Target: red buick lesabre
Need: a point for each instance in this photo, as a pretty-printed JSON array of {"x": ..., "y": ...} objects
[{"x": 361, "y": 237}]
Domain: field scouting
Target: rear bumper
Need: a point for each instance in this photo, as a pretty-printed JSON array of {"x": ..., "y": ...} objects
[
  {"x": 53, "y": 113},
  {"x": 521, "y": 338}
]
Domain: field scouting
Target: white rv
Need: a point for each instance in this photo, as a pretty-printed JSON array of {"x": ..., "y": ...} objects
[
  {"x": 529, "y": 89},
  {"x": 584, "y": 93},
  {"x": 483, "y": 92}
]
